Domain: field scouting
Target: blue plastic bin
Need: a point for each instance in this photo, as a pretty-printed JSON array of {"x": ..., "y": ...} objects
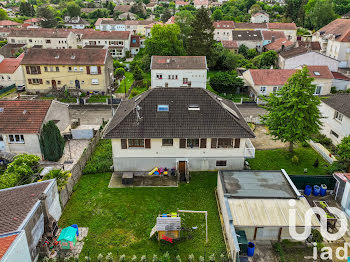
[
  {"x": 251, "y": 248},
  {"x": 323, "y": 190},
  {"x": 316, "y": 191},
  {"x": 307, "y": 190},
  {"x": 76, "y": 226}
]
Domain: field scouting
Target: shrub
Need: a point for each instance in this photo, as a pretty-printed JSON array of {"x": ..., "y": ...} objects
[
  {"x": 277, "y": 247},
  {"x": 51, "y": 142},
  {"x": 101, "y": 160},
  {"x": 295, "y": 159},
  {"x": 60, "y": 175}
]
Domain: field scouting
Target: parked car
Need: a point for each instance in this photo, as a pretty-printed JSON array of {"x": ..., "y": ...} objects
[{"x": 21, "y": 88}]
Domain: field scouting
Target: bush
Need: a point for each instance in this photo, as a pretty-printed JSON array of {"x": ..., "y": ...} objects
[
  {"x": 322, "y": 139},
  {"x": 51, "y": 142},
  {"x": 226, "y": 82},
  {"x": 101, "y": 160},
  {"x": 277, "y": 247},
  {"x": 337, "y": 166},
  {"x": 60, "y": 175},
  {"x": 295, "y": 159}
]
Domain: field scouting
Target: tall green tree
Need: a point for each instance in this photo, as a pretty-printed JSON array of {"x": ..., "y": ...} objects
[
  {"x": 293, "y": 113},
  {"x": 73, "y": 9},
  {"x": 320, "y": 14},
  {"x": 48, "y": 17},
  {"x": 201, "y": 40},
  {"x": 138, "y": 73},
  {"x": 166, "y": 15},
  {"x": 164, "y": 40},
  {"x": 266, "y": 60},
  {"x": 26, "y": 9},
  {"x": 51, "y": 142},
  {"x": 343, "y": 151},
  {"x": 3, "y": 14},
  {"x": 217, "y": 15},
  {"x": 226, "y": 82},
  {"x": 184, "y": 20}
]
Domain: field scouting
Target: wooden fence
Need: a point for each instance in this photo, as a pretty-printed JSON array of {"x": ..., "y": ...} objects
[{"x": 77, "y": 169}]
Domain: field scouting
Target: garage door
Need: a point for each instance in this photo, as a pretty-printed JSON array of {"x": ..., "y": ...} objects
[{"x": 267, "y": 233}]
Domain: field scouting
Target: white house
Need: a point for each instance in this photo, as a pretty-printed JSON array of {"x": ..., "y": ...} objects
[
  {"x": 336, "y": 112},
  {"x": 21, "y": 123},
  {"x": 263, "y": 82},
  {"x": 179, "y": 71},
  {"x": 200, "y": 3},
  {"x": 289, "y": 30},
  {"x": 250, "y": 38},
  {"x": 75, "y": 22},
  {"x": 109, "y": 24},
  {"x": 11, "y": 71},
  {"x": 223, "y": 30},
  {"x": 36, "y": 209},
  {"x": 260, "y": 17},
  {"x": 335, "y": 42},
  {"x": 340, "y": 81},
  {"x": 117, "y": 42},
  {"x": 190, "y": 129}
]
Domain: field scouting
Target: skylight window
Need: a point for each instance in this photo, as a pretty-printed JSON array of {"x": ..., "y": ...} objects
[
  {"x": 193, "y": 107},
  {"x": 317, "y": 73},
  {"x": 163, "y": 108}
]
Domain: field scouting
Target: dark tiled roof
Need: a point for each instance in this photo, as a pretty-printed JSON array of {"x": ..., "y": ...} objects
[
  {"x": 216, "y": 118},
  {"x": 250, "y": 25},
  {"x": 339, "y": 102},
  {"x": 310, "y": 45},
  {"x": 22, "y": 117},
  {"x": 294, "y": 52},
  {"x": 16, "y": 203},
  {"x": 109, "y": 35},
  {"x": 122, "y": 8},
  {"x": 178, "y": 62},
  {"x": 38, "y": 56},
  {"x": 246, "y": 35}
]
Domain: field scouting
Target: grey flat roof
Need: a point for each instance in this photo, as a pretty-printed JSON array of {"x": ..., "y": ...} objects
[{"x": 256, "y": 184}]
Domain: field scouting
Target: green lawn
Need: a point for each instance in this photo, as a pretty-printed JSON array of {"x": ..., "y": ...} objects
[
  {"x": 120, "y": 220},
  {"x": 281, "y": 158},
  {"x": 8, "y": 92},
  {"x": 126, "y": 83},
  {"x": 97, "y": 99}
]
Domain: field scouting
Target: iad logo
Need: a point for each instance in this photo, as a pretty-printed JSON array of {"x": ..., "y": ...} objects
[{"x": 341, "y": 253}]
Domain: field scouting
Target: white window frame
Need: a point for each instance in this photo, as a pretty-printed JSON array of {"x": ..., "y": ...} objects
[
  {"x": 316, "y": 88},
  {"x": 263, "y": 90},
  {"x": 338, "y": 116},
  {"x": 14, "y": 140},
  {"x": 95, "y": 81},
  {"x": 93, "y": 70}
]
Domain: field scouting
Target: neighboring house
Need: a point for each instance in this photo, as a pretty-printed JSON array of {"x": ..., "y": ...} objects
[
  {"x": 43, "y": 37},
  {"x": 4, "y": 32},
  {"x": 200, "y": 3},
  {"x": 128, "y": 16},
  {"x": 117, "y": 42},
  {"x": 289, "y": 30},
  {"x": 270, "y": 36},
  {"x": 137, "y": 26},
  {"x": 260, "y": 17},
  {"x": 21, "y": 123},
  {"x": 27, "y": 212},
  {"x": 223, "y": 30},
  {"x": 75, "y": 22},
  {"x": 9, "y": 24},
  {"x": 179, "y": 3},
  {"x": 296, "y": 57},
  {"x": 250, "y": 26},
  {"x": 135, "y": 44},
  {"x": 281, "y": 44},
  {"x": 255, "y": 207},
  {"x": 190, "y": 129},
  {"x": 11, "y": 71},
  {"x": 340, "y": 81},
  {"x": 334, "y": 39},
  {"x": 335, "y": 110},
  {"x": 310, "y": 45},
  {"x": 109, "y": 24},
  {"x": 249, "y": 38},
  {"x": 47, "y": 70},
  {"x": 230, "y": 45},
  {"x": 87, "y": 10},
  {"x": 122, "y": 8},
  {"x": 263, "y": 82},
  {"x": 151, "y": 6},
  {"x": 179, "y": 71},
  {"x": 33, "y": 22},
  {"x": 10, "y": 50}
]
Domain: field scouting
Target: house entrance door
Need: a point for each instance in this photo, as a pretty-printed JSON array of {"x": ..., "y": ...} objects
[
  {"x": 54, "y": 85},
  {"x": 182, "y": 166},
  {"x": 2, "y": 143}
]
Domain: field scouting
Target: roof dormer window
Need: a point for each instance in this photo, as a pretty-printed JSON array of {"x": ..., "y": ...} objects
[{"x": 163, "y": 108}]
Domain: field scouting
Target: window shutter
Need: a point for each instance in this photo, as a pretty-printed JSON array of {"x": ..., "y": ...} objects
[
  {"x": 214, "y": 142},
  {"x": 40, "y": 81},
  {"x": 203, "y": 143},
  {"x": 237, "y": 142},
  {"x": 124, "y": 144},
  {"x": 30, "y": 81},
  {"x": 147, "y": 143},
  {"x": 28, "y": 70},
  {"x": 88, "y": 70},
  {"x": 39, "y": 70},
  {"x": 182, "y": 143},
  {"x": 99, "y": 70}
]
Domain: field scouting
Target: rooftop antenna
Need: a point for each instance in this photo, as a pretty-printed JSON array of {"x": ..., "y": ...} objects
[{"x": 138, "y": 117}]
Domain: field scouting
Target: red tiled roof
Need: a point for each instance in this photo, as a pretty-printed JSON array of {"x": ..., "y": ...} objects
[
  {"x": 287, "y": 26},
  {"x": 182, "y": 3},
  {"x": 267, "y": 34},
  {"x": 224, "y": 25},
  {"x": 33, "y": 20},
  {"x": 337, "y": 75},
  {"x": 339, "y": 28},
  {"x": 278, "y": 43},
  {"x": 230, "y": 44},
  {"x": 40, "y": 32},
  {"x": 122, "y": 8},
  {"x": 200, "y": 2},
  {"x": 39, "y": 56},
  {"x": 137, "y": 43},
  {"x": 261, "y": 13},
  {"x": 310, "y": 45},
  {"x": 113, "y": 35},
  {"x": 8, "y": 23},
  {"x": 5, "y": 243},
  {"x": 22, "y": 117},
  {"x": 10, "y": 65},
  {"x": 278, "y": 77},
  {"x": 178, "y": 62}
]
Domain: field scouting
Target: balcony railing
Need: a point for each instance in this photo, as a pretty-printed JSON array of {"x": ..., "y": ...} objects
[{"x": 249, "y": 149}]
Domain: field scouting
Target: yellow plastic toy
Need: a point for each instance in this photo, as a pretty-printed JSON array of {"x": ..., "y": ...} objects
[{"x": 153, "y": 170}]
